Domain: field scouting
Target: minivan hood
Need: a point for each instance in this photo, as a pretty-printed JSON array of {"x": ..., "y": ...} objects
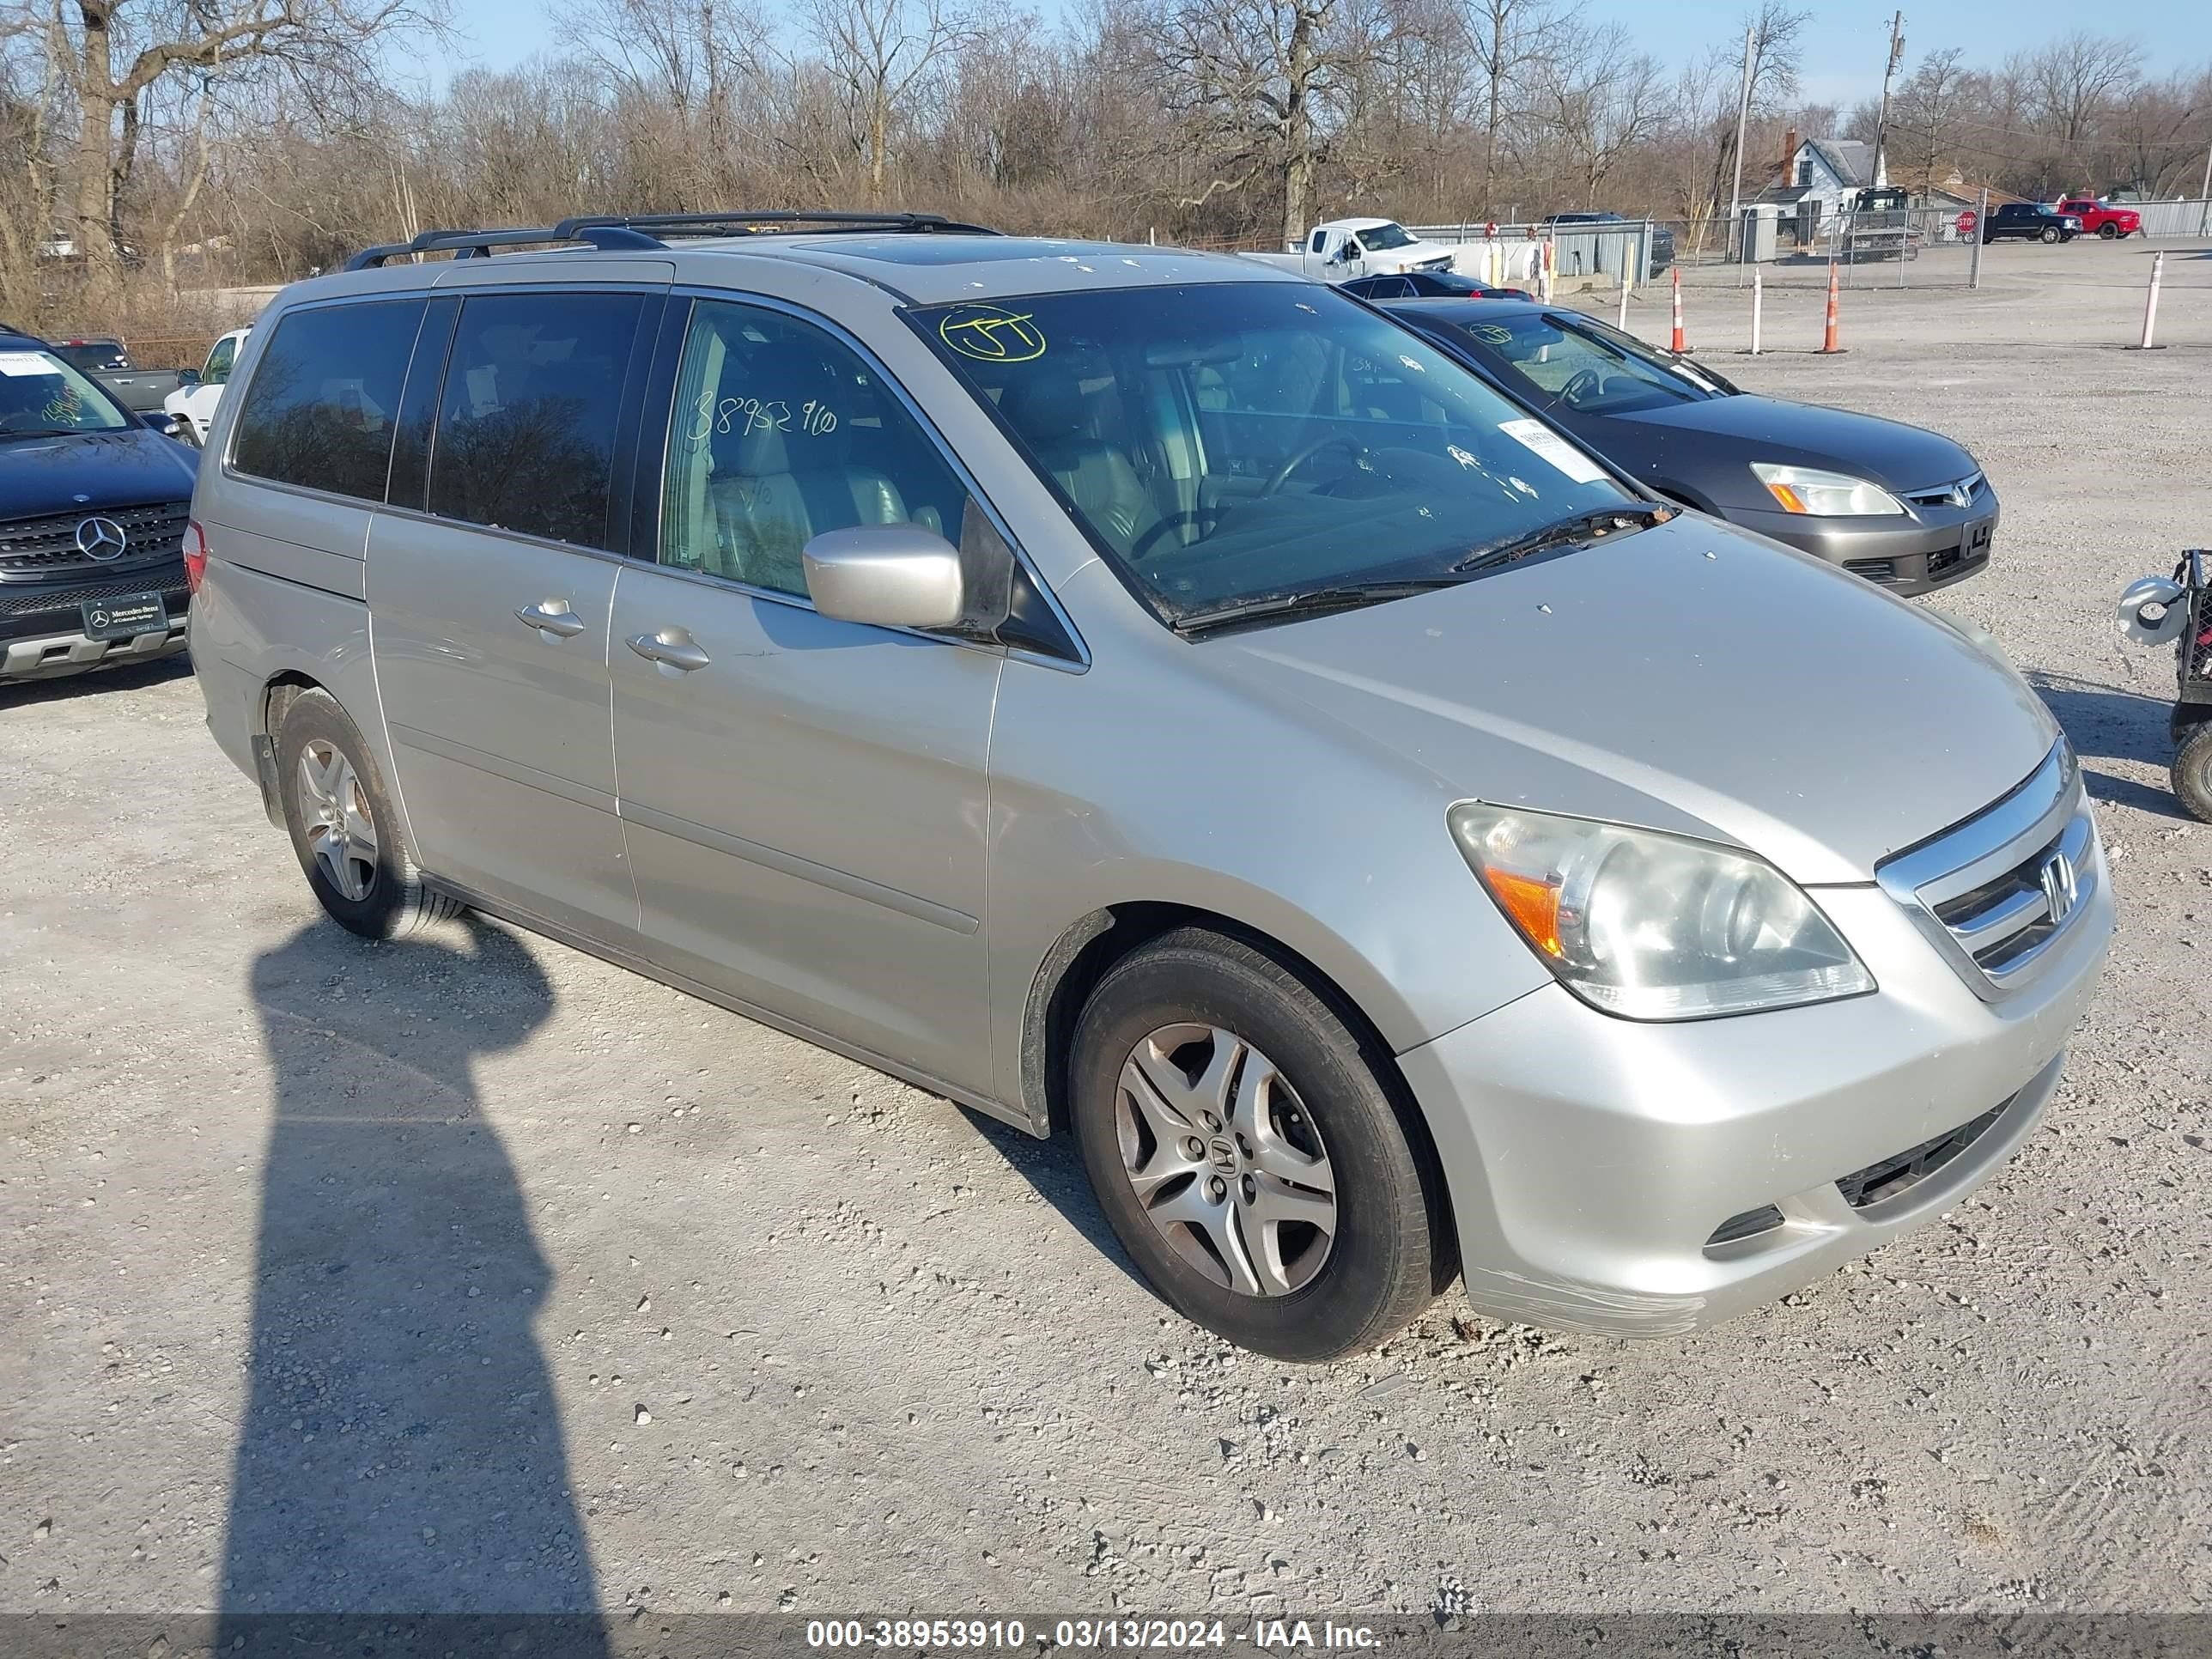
[
  {"x": 1900, "y": 458},
  {"x": 1686, "y": 678},
  {"x": 85, "y": 471}
]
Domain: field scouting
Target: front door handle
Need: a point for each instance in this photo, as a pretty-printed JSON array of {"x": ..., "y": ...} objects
[
  {"x": 551, "y": 617},
  {"x": 671, "y": 648}
]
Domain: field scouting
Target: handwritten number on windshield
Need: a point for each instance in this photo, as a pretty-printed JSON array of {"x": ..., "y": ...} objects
[{"x": 745, "y": 415}]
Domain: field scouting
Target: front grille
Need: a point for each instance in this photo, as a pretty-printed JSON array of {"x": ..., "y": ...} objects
[
  {"x": 21, "y": 602},
  {"x": 36, "y": 546},
  {"x": 1960, "y": 492},
  {"x": 1998, "y": 890},
  {"x": 1902, "y": 1171}
]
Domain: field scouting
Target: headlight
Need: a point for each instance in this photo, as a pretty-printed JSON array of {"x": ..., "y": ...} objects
[
  {"x": 1654, "y": 927},
  {"x": 1824, "y": 495}
]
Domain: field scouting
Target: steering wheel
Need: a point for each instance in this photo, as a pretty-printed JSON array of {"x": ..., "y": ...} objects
[
  {"x": 1582, "y": 383},
  {"x": 1299, "y": 457}
]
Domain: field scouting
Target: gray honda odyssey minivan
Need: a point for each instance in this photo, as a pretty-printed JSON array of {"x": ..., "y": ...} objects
[{"x": 1150, "y": 695}]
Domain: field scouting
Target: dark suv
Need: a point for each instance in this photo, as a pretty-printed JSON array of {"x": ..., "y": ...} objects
[
  {"x": 93, "y": 506},
  {"x": 2030, "y": 222}
]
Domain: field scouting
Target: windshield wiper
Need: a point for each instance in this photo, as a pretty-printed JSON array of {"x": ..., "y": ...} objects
[
  {"x": 45, "y": 432},
  {"x": 1583, "y": 527},
  {"x": 1303, "y": 602}
]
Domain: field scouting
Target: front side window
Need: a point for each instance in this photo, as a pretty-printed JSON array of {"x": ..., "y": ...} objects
[
  {"x": 319, "y": 411},
  {"x": 1225, "y": 442},
  {"x": 42, "y": 397},
  {"x": 781, "y": 432},
  {"x": 219, "y": 362},
  {"x": 525, "y": 438}
]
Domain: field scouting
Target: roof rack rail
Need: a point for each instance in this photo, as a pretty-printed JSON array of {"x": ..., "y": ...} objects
[
  {"x": 744, "y": 223},
  {"x": 615, "y": 232}
]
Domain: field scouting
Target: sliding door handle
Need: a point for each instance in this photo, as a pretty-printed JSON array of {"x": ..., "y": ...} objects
[
  {"x": 551, "y": 617},
  {"x": 671, "y": 648}
]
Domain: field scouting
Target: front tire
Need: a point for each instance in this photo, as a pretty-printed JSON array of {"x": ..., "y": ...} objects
[
  {"x": 2192, "y": 770},
  {"x": 1246, "y": 1155},
  {"x": 2053, "y": 233},
  {"x": 2108, "y": 232},
  {"x": 343, "y": 828}
]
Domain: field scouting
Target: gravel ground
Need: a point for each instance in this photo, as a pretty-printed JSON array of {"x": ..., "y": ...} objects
[{"x": 475, "y": 1274}]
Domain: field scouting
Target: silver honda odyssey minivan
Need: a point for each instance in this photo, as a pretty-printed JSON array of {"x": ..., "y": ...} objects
[{"x": 1153, "y": 696}]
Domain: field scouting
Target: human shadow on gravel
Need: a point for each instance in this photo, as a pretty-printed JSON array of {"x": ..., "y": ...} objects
[
  {"x": 401, "y": 1450},
  {"x": 2110, "y": 722}
]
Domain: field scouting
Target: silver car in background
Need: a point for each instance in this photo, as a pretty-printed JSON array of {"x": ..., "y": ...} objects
[{"x": 1127, "y": 690}]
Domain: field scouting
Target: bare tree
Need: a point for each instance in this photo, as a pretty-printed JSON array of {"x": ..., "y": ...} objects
[
  {"x": 112, "y": 53},
  {"x": 1604, "y": 100},
  {"x": 882, "y": 52},
  {"x": 1508, "y": 39},
  {"x": 2067, "y": 87},
  {"x": 1775, "y": 46},
  {"x": 1930, "y": 108},
  {"x": 1261, "y": 85}
]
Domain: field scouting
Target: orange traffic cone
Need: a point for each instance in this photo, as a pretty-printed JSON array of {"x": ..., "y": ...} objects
[
  {"x": 1828, "y": 340},
  {"x": 1679, "y": 347}
]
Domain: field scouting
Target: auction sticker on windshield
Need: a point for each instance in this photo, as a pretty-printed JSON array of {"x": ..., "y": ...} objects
[
  {"x": 24, "y": 362},
  {"x": 1563, "y": 455}
]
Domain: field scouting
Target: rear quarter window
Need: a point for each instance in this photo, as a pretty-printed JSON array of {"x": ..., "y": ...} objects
[{"x": 320, "y": 408}]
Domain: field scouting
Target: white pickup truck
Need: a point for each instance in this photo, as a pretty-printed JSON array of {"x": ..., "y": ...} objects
[
  {"x": 193, "y": 403},
  {"x": 1345, "y": 248}
]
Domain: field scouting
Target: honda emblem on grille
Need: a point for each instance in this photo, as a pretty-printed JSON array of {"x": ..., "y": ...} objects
[
  {"x": 2062, "y": 888},
  {"x": 102, "y": 538}
]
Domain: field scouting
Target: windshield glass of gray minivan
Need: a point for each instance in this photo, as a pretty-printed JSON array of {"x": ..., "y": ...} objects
[{"x": 1222, "y": 441}]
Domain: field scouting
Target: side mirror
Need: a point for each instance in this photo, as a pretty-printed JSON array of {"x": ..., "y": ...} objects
[
  {"x": 161, "y": 421},
  {"x": 889, "y": 576},
  {"x": 188, "y": 377}
]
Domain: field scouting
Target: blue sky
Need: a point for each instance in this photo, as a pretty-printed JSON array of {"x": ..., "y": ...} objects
[{"x": 1842, "y": 63}]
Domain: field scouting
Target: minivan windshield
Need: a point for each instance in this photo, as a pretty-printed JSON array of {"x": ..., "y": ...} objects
[
  {"x": 1224, "y": 443},
  {"x": 42, "y": 397}
]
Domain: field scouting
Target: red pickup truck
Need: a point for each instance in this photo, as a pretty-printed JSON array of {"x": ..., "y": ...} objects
[{"x": 2112, "y": 224}]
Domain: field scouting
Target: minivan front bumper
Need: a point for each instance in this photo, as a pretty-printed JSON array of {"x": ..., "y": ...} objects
[{"x": 1649, "y": 1180}]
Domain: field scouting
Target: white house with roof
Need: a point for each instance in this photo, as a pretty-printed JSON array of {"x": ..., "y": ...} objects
[{"x": 1819, "y": 179}]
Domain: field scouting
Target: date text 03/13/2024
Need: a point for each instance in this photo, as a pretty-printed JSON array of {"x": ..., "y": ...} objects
[{"x": 1148, "y": 1635}]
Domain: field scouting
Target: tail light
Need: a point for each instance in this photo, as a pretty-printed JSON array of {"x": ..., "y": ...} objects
[{"x": 195, "y": 556}]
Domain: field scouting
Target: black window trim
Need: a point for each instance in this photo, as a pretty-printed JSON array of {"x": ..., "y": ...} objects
[{"x": 651, "y": 471}]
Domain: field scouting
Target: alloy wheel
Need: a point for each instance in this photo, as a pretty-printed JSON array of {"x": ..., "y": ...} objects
[
  {"x": 341, "y": 830},
  {"x": 1224, "y": 1159}
]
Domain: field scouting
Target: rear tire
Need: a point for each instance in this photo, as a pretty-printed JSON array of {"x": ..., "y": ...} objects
[
  {"x": 1284, "y": 1205},
  {"x": 343, "y": 828},
  {"x": 2192, "y": 770}
]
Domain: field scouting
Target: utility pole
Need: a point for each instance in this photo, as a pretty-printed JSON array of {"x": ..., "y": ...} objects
[
  {"x": 1881, "y": 122},
  {"x": 1734, "y": 232}
]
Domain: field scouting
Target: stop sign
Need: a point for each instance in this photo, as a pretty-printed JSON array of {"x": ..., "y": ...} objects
[{"x": 1966, "y": 222}]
